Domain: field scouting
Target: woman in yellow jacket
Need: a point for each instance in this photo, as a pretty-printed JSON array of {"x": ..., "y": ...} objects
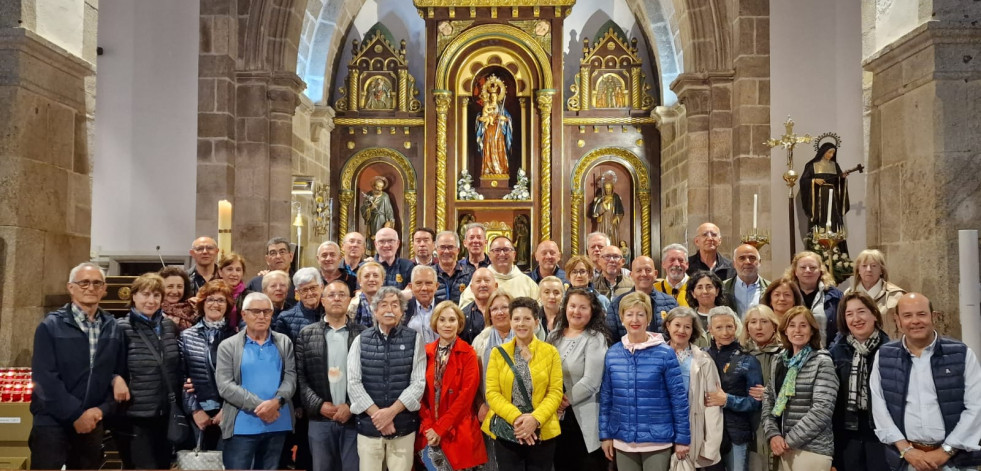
[{"x": 522, "y": 418}]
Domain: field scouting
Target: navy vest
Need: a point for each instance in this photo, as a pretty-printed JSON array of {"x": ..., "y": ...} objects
[
  {"x": 386, "y": 370},
  {"x": 947, "y": 365}
]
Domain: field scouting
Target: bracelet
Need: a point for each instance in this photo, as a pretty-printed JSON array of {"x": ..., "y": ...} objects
[{"x": 902, "y": 454}]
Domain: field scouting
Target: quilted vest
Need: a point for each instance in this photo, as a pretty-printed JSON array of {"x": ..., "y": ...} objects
[{"x": 386, "y": 370}]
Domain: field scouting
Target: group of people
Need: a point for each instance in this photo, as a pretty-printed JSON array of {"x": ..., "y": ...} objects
[{"x": 447, "y": 363}]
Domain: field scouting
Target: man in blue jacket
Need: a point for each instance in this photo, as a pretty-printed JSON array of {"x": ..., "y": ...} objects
[
  {"x": 642, "y": 273},
  {"x": 78, "y": 368}
]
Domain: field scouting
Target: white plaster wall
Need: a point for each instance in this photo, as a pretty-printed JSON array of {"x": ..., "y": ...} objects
[
  {"x": 144, "y": 171},
  {"x": 816, "y": 78},
  {"x": 61, "y": 22}
]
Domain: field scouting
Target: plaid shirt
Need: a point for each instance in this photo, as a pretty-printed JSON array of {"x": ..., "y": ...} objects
[{"x": 92, "y": 329}]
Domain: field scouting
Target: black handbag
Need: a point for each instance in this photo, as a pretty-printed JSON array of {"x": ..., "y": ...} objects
[
  {"x": 178, "y": 429},
  {"x": 500, "y": 427}
]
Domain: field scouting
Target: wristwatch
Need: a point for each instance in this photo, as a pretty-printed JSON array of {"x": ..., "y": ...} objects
[
  {"x": 951, "y": 451},
  {"x": 282, "y": 401}
]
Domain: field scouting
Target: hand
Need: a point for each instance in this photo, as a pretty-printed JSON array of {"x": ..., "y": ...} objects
[
  {"x": 217, "y": 418},
  {"x": 193, "y": 301},
  {"x": 565, "y": 403},
  {"x": 432, "y": 437},
  {"x": 819, "y": 181},
  {"x": 525, "y": 427},
  {"x": 88, "y": 420},
  {"x": 919, "y": 460},
  {"x": 482, "y": 412},
  {"x": 756, "y": 392},
  {"x": 328, "y": 410},
  {"x": 778, "y": 445},
  {"x": 189, "y": 386},
  {"x": 262, "y": 273},
  {"x": 268, "y": 410},
  {"x": 382, "y": 417},
  {"x": 201, "y": 419},
  {"x": 343, "y": 414},
  {"x": 120, "y": 391},
  {"x": 716, "y": 399},
  {"x": 388, "y": 430},
  {"x": 607, "y": 446},
  {"x": 681, "y": 451}
]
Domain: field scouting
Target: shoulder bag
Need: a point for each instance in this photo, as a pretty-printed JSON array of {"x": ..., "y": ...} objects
[
  {"x": 498, "y": 425},
  {"x": 178, "y": 430}
]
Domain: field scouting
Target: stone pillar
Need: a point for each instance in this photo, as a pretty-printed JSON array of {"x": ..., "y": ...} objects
[
  {"x": 924, "y": 157},
  {"x": 45, "y": 187}
]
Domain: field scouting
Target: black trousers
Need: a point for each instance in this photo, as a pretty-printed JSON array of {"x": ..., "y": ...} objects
[
  {"x": 55, "y": 446},
  {"x": 143, "y": 442},
  {"x": 298, "y": 438},
  {"x": 570, "y": 448},
  {"x": 514, "y": 457}
]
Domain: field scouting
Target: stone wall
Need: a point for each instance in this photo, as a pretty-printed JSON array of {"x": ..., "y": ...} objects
[{"x": 312, "y": 126}]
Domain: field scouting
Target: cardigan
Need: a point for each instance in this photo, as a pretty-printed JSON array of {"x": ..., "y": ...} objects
[{"x": 582, "y": 375}]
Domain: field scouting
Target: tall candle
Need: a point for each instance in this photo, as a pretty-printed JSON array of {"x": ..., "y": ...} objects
[
  {"x": 224, "y": 227},
  {"x": 831, "y": 203},
  {"x": 756, "y": 202}
]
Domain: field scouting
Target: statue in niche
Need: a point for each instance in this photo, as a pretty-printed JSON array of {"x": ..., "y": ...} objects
[
  {"x": 606, "y": 210},
  {"x": 377, "y": 210},
  {"x": 522, "y": 240},
  {"x": 379, "y": 96},
  {"x": 494, "y": 129},
  {"x": 461, "y": 230}
]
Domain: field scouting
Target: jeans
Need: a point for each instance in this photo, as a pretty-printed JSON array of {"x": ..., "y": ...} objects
[
  {"x": 55, "y": 446},
  {"x": 143, "y": 443},
  {"x": 738, "y": 458},
  {"x": 259, "y": 451},
  {"x": 334, "y": 446}
]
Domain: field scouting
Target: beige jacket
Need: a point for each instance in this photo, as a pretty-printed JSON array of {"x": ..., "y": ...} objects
[
  {"x": 886, "y": 300},
  {"x": 706, "y": 422}
]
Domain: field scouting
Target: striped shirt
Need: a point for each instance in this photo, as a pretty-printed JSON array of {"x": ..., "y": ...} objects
[{"x": 91, "y": 328}]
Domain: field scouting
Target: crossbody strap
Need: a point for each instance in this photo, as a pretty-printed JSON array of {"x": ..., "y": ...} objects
[
  {"x": 517, "y": 377},
  {"x": 156, "y": 356}
]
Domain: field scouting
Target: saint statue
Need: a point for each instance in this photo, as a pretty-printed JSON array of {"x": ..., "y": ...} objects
[
  {"x": 606, "y": 209},
  {"x": 379, "y": 96},
  {"x": 494, "y": 129},
  {"x": 377, "y": 210},
  {"x": 822, "y": 185}
]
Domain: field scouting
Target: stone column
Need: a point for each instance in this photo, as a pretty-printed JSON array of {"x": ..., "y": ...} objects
[
  {"x": 924, "y": 158},
  {"x": 45, "y": 187},
  {"x": 695, "y": 94}
]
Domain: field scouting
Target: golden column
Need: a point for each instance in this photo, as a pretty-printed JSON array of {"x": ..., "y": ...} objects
[
  {"x": 443, "y": 98},
  {"x": 352, "y": 94},
  {"x": 544, "y": 99},
  {"x": 345, "y": 201},
  {"x": 645, "y": 218},
  {"x": 577, "y": 200},
  {"x": 403, "y": 89}
]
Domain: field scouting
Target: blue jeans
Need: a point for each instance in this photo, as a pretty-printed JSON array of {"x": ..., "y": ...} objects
[
  {"x": 333, "y": 446},
  {"x": 259, "y": 451},
  {"x": 737, "y": 459}
]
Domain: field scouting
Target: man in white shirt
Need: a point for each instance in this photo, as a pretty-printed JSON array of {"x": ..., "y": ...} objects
[{"x": 743, "y": 291}]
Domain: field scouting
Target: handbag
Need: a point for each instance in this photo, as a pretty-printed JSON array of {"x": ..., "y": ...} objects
[
  {"x": 199, "y": 460},
  {"x": 178, "y": 429},
  {"x": 500, "y": 427},
  {"x": 434, "y": 459}
]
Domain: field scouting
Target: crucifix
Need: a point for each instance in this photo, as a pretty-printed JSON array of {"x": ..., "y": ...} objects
[{"x": 788, "y": 141}]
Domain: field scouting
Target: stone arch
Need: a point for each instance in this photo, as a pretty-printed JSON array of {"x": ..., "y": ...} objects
[
  {"x": 357, "y": 163},
  {"x": 271, "y": 40},
  {"x": 642, "y": 184}
]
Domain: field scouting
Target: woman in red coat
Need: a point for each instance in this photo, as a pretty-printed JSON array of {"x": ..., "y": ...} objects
[{"x": 448, "y": 424}]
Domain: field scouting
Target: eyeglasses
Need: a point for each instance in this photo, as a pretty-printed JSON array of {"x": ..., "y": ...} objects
[
  {"x": 259, "y": 312},
  {"x": 86, "y": 284},
  {"x": 445, "y": 248},
  {"x": 308, "y": 289},
  {"x": 215, "y": 300},
  {"x": 384, "y": 241},
  {"x": 204, "y": 248},
  {"x": 579, "y": 272},
  {"x": 282, "y": 252},
  {"x": 612, "y": 257},
  {"x": 502, "y": 250}
]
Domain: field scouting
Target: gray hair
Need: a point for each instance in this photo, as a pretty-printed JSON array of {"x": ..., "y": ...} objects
[
  {"x": 678, "y": 247},
  {"x": 421, "y": 268},
  {"x": 483, "y": 228},
  {"x": 254, "y": 296},
  {"x": 384, "y": 292},
  {"x": 328, "y": 243},
  {"x": 306, "y": 275},
  {"x": 456, "y": 237},
  {"x": 601, "y": 234},
  {"x": 724, "y": 311},
  {"x": 277, "y": 241},
  {"x": 267, "y": 278},
  {"x": 83, "y": 265}
]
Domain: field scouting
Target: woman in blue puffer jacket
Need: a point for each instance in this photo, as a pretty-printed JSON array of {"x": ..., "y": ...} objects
[{"x": 643, "y": 400}]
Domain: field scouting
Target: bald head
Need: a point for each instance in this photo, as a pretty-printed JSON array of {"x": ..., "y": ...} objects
[
  {"x": 747, "y": 262},
  {"x": 914, "y": 314},
  {"x": 204, "y": 251},
  {"x": 387, "y": 243},
  {"x": 547, "y": 255},
  {"x": 708, "y": 238},
  {"x": 483, "y": 284},
  {"x": 643, "y": 273}
]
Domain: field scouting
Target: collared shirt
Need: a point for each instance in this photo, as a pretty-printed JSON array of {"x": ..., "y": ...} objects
[
  {"x": 723, "y": 266},
  {"x": 347, "y": 278},
  {"x": 352, "y": 271},
  {"x": 262, "y": 368},
  {"x": 398, "y": 272},
  {"x": 746, "y": 296},
  {"x": 679, "y": 293},
  {"x": 465, "y": 263},
  {"x": 923, "y": 419},
  {"x": 93, "y": 329},
  {"x": 432, "y": 261},
  {"x": 337, "y": 362},
  {"x": 451, "y": 286},
  {"x": 198, "y": 280},
  {"x": 536, "y": 276},
  {"x": 420, "y": 322},
  {"x": 410, "y": 396},
  {"x": 612, "y": 290}
]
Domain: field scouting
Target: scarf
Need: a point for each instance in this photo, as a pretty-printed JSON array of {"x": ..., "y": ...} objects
[
  {"x": 182, "y": 313},
  {"x": 858, "y": 385},
  {"x": 442, "y": 357},
  {"x": 789, "y": 387}
]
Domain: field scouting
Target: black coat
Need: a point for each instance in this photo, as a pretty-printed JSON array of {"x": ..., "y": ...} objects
[
  {"x": 148, "y": 391},
  {"x": 311, "y": 366},
  {"x": 198, "y": 356}
]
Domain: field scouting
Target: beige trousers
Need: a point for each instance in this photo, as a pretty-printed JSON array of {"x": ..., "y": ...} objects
[
  {"x": 378, "y": 453},
  {"x": 800, "y": 460}
]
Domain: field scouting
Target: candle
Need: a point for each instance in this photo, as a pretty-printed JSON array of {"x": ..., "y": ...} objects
[
  {"x": 831, "y": 203},
  {"x": 224, "y": 226},
  {"x": 756, "y": 202}
]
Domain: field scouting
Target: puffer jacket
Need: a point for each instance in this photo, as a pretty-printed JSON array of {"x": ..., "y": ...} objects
[
  {"x": 660, "y": 303},
  {"x": 199, "y": 356},
  {"x": 292, "y": 320},
  {"x": 806, "y": 421},
  {"x": 738, "y": 371},
  {"x": 311, "y": 366},
  {"x": 147, "y": 388},
  {"x": 643, "y": 397}
]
